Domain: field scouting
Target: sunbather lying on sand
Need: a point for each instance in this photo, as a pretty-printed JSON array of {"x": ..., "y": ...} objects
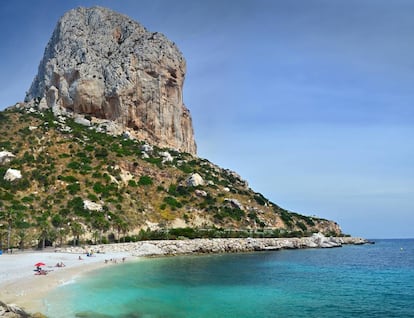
[{"x": 41, "y": 272}]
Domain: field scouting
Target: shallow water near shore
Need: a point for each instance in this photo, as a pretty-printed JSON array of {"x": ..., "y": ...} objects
[{"x": 353, "y": 281}]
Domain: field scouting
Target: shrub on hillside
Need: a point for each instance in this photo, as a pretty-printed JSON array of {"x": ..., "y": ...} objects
[
  {"x": 73, "y": 188},
  {"x": 69, "y": 179},
  {"x": 132, "y": 183},
  {"x": 286, "y": 218},
  {"x": 172, "y": 202},
  {"x": 260, "y": 199},
  {"x": 145, "y": 180},
  {"x": 74, "y": 165}
]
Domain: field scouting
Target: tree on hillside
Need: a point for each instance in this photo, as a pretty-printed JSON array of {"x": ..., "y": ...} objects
[
  {"x": 60, "y": 224},
  {"x": 22, "y": 227},
  {"x": 77, "y": 230},
  {"x": 3, "y": 232},
  {"x": 11, "y": 216},
  {"x": 120, "y": 224},
  {"x": 101, "y": 224},
  {"x": 44, "y": 225}
]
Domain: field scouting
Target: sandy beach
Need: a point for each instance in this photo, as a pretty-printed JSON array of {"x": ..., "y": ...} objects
[{"x": 19, "y": 285}]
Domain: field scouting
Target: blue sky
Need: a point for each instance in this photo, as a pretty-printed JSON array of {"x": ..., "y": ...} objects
[{"x": 311, "y": 101}]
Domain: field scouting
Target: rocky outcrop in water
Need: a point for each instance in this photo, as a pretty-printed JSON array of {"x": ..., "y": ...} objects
[{"x": 102, "y": 64}]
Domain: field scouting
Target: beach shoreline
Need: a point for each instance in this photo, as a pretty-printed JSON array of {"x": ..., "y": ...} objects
[{"x": 20, "y": 286}]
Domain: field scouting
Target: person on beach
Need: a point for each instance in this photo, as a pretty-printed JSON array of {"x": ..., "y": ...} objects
[{"x": 80, "y": 258}]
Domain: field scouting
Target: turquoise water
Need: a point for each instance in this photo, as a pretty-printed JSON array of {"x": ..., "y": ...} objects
[{"x": 353, "y": 281}]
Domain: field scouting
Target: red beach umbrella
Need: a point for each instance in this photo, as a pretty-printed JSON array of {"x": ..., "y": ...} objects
[{"x": 39, "y": 264}]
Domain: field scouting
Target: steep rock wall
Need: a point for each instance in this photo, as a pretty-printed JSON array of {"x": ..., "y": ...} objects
[{"x": 101, "y": 63}]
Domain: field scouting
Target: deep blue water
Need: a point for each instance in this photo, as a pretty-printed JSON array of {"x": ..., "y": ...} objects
[{"x": 352, "y": 281}]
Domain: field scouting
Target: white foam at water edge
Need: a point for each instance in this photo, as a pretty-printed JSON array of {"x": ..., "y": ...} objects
[{"x": 67, "y": 282}]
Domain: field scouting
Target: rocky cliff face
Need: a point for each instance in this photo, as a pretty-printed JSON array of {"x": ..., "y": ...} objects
[{"x": 103, "y": 64}]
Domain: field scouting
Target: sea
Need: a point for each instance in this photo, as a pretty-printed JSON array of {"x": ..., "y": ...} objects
[{"x": 364, "y": 281}]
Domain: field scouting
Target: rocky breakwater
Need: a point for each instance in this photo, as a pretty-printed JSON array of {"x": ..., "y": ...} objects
[
  {"x": 228, "y": 245},
  {"x": 102, "y": 64}
]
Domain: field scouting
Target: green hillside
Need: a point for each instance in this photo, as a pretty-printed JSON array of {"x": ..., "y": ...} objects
[{"x": 79, "y": 185}]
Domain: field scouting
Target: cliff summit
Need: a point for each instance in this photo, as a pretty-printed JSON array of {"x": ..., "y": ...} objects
[{"x": 103, "y": 64}]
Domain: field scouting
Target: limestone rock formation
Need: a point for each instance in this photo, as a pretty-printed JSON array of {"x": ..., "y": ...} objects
[
  {"x": 234, "y": 203},
  {"x": 92, "y": 206},
  {"x": 194, "y": 180},
  {"x": 12, "y": 174},
  {"x": 102, "y": 64},
  {"x": 5, "y": 157}
]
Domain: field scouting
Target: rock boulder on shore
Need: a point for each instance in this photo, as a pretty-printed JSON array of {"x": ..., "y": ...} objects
[{"x": 12, "y": 311}]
